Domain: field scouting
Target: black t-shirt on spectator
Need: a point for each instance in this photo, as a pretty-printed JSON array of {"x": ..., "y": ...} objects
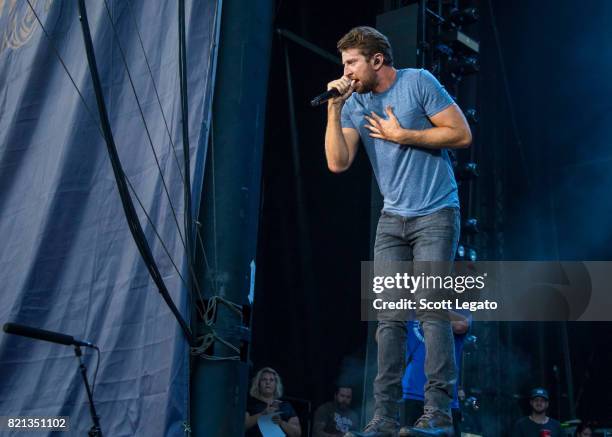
[
  {"x": 525, "y": 427},
  {"x": 255, "y": 406}
]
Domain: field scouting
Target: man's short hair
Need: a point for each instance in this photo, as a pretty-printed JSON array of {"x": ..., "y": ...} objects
[
  {"x": 340, "y": 386},
  {"x": 369, "y": 41}
]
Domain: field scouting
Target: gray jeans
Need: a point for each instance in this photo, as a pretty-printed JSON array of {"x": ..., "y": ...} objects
[{"x": 433, "y": 237}]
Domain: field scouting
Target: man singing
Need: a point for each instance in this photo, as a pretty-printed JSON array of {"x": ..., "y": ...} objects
[{"x": 406, "y": 121}]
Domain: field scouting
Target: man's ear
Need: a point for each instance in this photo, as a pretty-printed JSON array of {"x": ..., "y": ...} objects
[{"x": 377, "y": 61}]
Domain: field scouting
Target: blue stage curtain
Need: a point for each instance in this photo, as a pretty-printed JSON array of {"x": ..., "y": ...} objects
[{"x": 68, "y": 262}]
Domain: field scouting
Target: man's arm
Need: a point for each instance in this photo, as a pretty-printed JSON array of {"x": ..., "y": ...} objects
[
  {"x": 451, "y": 130},
  {"x": 459, "y": 323},
  {"x": 319, "y": 422},
  {"x": 340, "y": 143},
  {"x": 317, "y": 430},
  {"x": 326, "y": 434}
]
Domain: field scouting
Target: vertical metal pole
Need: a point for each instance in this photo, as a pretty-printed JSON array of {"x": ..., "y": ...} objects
[
  {"x": 95, "y": 430},
  {"x": 422, "y": 26},
  {"x": 230, "y": 211},
  {"x": 568, "y": 371},
  {"x": 541, "y": 352}
]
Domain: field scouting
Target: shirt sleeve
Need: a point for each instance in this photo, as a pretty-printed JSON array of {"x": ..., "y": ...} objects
[
  {"x": 355, "y": 419},
  {"x": 320, "y": 414},
  {"x": 516, "y": 430},
  {"x": 557, "y": 428},
  {"x": 434, "y": 98},
  {"x": 345, "y": 119},
  {"x": 287, "y": 411},
  {"x": 320, "y": 419},
  {"x": 254, "y": 406}
]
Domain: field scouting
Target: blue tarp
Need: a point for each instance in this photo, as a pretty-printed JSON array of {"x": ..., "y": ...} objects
[{"x": 68, "y": 262}]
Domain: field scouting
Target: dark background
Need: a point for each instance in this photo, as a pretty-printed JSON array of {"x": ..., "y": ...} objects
[{"x": 542, "y": 146}]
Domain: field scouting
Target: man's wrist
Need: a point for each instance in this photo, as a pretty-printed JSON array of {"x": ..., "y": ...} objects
[
  {"x": 407, "y": 137},
  {"x": 334, "y": 108}
]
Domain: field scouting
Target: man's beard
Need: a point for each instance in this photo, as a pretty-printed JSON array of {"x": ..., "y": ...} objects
[
  {"x": 364, "y": 87},
  {"x": 342, "y": 406}
]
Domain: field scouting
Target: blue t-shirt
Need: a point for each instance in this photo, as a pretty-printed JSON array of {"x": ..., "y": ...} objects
[
  {"x": 414, "y": 181},
  {"x": 413, "y": 381}
]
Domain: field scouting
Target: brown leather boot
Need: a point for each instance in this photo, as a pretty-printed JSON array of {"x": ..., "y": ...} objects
[
  {"x": 379, "y": 426},
  {"x": 430, "y": 424}
]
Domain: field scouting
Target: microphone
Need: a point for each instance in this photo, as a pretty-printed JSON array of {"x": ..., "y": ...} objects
[
  {"x": 41, "y": 334},
  {"x": 324, "y": 97}
]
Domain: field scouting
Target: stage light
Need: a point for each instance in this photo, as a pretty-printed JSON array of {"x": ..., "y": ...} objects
[
  {"x": 467, "y": 171},
  {"x": 445, "y": 49},
  {"x": 470, "y": 340},
  {"x": 459, "y": 42},
  {"x": 470, "y": 226},
  {"x": 464, "y": 65},
  {"x": 470, "y": 344},
  {"x": 461, "y": 17},
  {"x": 461, "y": 252},
  {"x": 456, "y": 18},
  {"x": 466, "y": 253},
  {"x": 472, "y": 116},
  {"x": 472, "y": 403}
]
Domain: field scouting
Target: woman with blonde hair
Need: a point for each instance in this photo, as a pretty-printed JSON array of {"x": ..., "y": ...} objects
[{"x": 264, "y": 399}]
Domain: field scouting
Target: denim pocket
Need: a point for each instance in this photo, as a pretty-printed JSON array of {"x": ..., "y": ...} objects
[
  {"x": 446, "y": 215},
  {"x": 444, "y": 222}
]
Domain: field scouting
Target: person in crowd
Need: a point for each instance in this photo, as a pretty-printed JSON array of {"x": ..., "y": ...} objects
[
  {"x": 413, "y": 381},
  {"x": 584, "y": 430},
  {"x": 265, "y": 393},
  {"x": 335, "y": 418},
  {"x": 537, "y": 424}
]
